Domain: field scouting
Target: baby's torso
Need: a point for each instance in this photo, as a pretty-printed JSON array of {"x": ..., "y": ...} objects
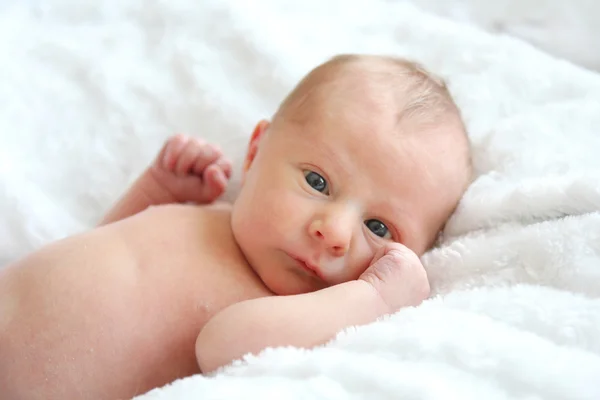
[
  {"x": 191, "y": 268},
  {"x": 125, "y": 303}
]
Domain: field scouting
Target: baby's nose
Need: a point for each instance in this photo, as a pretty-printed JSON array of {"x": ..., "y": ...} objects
[{"x": 334, "y": 232}]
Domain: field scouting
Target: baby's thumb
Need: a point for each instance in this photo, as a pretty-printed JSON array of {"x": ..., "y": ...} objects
[
  {"x": 383, "y": 264},
  {"x": 399, "y": 277}
]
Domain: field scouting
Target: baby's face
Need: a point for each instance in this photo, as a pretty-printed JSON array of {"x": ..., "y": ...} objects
[{"x": 320, "y": 199}]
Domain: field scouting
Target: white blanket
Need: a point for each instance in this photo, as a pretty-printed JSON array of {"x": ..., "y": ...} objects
[{"x": 89, "y": 90}]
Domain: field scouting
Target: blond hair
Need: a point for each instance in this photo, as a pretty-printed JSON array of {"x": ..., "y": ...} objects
[{"x": 417, "y": 94}]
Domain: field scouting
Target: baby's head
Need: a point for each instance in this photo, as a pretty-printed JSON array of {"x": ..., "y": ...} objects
[{"x": 365, "y": 150}]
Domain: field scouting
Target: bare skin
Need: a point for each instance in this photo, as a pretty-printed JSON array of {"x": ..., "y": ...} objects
[
  {"x": 325, "y": 234},
  {"x": 119, "y": 308},
  {"x": 123, "y": 303}
]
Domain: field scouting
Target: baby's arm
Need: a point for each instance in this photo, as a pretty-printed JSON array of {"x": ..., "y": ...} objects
[
  {"x": 394, "y": 280},
  {"x": 186, "y": 170}
]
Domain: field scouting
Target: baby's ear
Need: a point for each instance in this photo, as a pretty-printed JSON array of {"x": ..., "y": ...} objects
[{"x": 257, "y": 135}]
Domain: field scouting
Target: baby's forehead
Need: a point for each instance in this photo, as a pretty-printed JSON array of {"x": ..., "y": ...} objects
[
  {"x": 380, "y": 153},
  {"x": 366, "y": 87},
  {"x": 365, "y": 152}
]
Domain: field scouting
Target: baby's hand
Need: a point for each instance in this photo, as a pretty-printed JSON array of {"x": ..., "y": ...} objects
[
  {"x": 191, "y": 170},
  {"x": 399, "y": 277}
]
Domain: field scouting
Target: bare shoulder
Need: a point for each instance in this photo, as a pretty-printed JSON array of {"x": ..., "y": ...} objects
[
  {"x": 181, "y": 228},
  {"x": 176, "y": 217},
  {"x": 198, "y": 242},
  {"x": 174, "y": 212}
]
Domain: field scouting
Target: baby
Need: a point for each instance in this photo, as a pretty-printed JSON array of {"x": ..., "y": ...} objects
[{"x": 343, "y": 190}]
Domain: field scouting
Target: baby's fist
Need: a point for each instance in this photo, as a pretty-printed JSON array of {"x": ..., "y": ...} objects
[
  {"x": 398, "y": 276},
  {"x": 191, "y": 170}
]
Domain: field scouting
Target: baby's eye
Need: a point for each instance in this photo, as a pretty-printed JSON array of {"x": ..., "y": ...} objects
[
  {"x": 316, "y": 181},
  {"x": 378, "y": 228}
]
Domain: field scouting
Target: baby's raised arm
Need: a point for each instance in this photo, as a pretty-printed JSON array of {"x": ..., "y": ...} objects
[
  {"x": 187, "y": 169},
  {"x": 395, "y": 279}
]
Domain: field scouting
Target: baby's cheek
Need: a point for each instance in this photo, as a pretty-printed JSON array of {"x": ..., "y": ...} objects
[
  {"x": 268, "y": 219},
  {"x": 363, "y": 255},
  {"x": 282, "y": 206}
]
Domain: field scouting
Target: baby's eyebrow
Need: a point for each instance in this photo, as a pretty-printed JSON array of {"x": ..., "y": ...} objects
[
  {"x": 391, "y": 212},
  {"x": 334, "y": 160}
]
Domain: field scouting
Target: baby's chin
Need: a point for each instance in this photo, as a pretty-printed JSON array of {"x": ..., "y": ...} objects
[{"x": 289, "y": 282}]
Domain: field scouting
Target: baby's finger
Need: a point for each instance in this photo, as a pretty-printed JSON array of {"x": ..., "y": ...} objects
[
  {"x": 172, "y": 150},
  {"x": 225, "y": 166},
  {"x": 161, "y": 157},
  {"x": 398, "y": 247},
  {"x": 382, "y": 267},
  {"x": 187, "y": 157},
  {"x": 207, "y": 154},
  {"x": 215, "y": 182},
  {"x": 378, "y": 254}
]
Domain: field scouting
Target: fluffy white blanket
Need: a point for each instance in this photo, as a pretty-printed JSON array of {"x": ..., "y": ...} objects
[{"x": 89, "y": 90}]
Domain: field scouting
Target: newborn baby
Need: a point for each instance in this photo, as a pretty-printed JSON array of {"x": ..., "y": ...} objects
[{"x": 343, "y": 190}]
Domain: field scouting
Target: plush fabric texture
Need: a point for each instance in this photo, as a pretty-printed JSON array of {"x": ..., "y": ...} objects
[{"x": 90, "y": 90}]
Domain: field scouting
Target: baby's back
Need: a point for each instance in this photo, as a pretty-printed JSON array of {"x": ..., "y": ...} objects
[{"x": 116, "y": 311}]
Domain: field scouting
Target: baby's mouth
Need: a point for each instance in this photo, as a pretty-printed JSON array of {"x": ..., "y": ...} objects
[{"x": 309, "y": 268}]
